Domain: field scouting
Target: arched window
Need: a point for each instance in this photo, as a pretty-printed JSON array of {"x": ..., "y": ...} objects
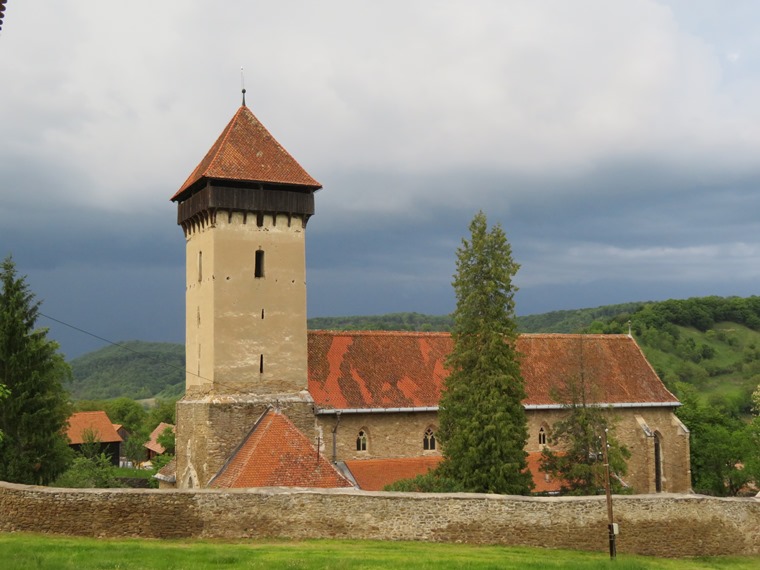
[
  {"x": 361, "y": 441},
  {"x": 428, "y": 440},
  {"x": 542, "y": 436}
]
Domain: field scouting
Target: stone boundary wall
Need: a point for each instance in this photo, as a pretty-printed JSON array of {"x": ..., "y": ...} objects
[{"x": 659, "y": 525}]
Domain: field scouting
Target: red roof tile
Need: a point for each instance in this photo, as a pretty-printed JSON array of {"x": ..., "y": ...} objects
[
  {"x": 96, "y": 422},
  {"x": 152, "y": 443},
  {"x": 277, "y": 454},
  {"x": 369, "y": 369},
  {"x": 376, "y": 474},
  {"x": 247, "y": 152}
]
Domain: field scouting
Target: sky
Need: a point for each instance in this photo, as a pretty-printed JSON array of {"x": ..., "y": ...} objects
[{"x": 616, "y": 143}]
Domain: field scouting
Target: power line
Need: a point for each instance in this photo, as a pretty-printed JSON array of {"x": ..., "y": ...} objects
[{"x": 125, "y": 347}]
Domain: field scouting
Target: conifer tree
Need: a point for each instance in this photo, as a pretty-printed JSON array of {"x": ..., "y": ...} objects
[
  {"x": 482, "y": 420},
  {"x": 34, "y": 449}
]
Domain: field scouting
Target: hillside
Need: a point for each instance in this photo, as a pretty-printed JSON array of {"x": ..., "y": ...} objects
[
  {"x": 711, "y": 343},
  {"x": 134, "y": 369}
]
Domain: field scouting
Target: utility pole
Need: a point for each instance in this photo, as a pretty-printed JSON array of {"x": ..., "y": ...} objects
[{"x": 610, "y": 524}]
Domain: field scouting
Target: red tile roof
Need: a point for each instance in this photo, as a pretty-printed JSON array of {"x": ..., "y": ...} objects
[
  {"x": 96, "y": 422},
  {"x": 542, "y": 483},
  {"x": 277, "y": 454},
  {"x": 375, "y": 474},
  {"x": 152, "y": 443},
  {"x": 247, "y": 152},
  {"x": 370, "y": 369}
]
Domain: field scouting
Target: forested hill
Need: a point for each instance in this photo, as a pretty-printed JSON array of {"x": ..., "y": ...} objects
[{"x": 712, "y": 343}]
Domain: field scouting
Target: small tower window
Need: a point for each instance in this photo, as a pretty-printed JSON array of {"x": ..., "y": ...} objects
[
  {"x": 261, "y": 364},
  {"x": 200, "y": 266},
  {"x": 258, "y": 270},
  {"x": 361, "y": 441},
  {"x": 542, "y": 436},
  {"x": 428, "y": 440}
]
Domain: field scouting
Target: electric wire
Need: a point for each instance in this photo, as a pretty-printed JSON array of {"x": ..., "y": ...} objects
[{"x": 93, "y": 335}]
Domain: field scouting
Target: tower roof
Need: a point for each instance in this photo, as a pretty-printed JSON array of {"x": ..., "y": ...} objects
[{"x": 247, "y": 152}]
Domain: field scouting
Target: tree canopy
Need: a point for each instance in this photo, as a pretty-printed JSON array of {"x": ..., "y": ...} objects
[
  {"x": 482, "y": 420},
  {"x": 34, "y": 449}
]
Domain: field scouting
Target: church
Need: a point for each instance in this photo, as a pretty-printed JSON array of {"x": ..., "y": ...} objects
[{"x": 269, "y": 403}]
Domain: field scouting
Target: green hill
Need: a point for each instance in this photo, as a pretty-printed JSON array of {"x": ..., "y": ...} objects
[
  {"x": 134, "y": 369},
  {"x": 712, "y": 343}
]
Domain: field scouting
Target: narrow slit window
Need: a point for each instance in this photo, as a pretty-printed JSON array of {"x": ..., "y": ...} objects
[
  {"x": 258, "y": 270},
  {"x": 428, "y": 440},
  {"x": 200, "y": 266},
  {"x": 361, "y": 441},
  {"x": 261, "y": 364}
]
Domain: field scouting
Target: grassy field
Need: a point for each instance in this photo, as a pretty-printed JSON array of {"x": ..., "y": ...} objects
[{"x": 22, "y": 551}]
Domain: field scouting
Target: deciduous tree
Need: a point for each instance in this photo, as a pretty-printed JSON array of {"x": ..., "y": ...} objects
[
  {"x": 482, "y": 420},
  {"x": 575, "y": 457},
  {"x": 34, "y": 449}
]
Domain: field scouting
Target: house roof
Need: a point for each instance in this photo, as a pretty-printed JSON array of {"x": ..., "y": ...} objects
[
  {"x": 168, "y": 472},
  {"x": 375, "y": 474},
  {"x": 247, "y": 152},
  {"x": 97, "y": 423},
  {"x": 380, "y": 370},
  {"x": 276, "y": 454},
  {"x": 152, "y": 443}
]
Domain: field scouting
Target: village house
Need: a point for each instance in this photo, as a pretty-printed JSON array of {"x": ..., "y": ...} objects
[
  {"x": 269, "y": 403},
  {"x": 152, "y": 446},
  {"x": 96, "y": 429}
]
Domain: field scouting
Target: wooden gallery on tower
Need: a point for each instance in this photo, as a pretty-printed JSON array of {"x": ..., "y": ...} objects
[{"x": 269, "y": 403}]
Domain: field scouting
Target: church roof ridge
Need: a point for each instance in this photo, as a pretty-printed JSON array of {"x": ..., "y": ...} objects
[{"x": 246, "y": 151}]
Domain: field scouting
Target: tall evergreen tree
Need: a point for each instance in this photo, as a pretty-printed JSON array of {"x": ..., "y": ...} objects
[
  {"x": 34, "y": 449},
  {"x": 482, "y": 420}
]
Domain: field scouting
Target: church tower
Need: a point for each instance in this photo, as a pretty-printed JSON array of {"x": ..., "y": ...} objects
[{"x": 244, "y": 211}]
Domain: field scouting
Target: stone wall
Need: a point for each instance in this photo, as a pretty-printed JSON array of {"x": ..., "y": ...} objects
[{"x": 659, "y": 525}]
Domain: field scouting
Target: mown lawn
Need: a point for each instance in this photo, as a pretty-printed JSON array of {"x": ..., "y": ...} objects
[{"x": 22, "y": 551}]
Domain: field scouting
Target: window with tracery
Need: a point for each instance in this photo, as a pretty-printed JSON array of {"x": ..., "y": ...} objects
[
  {"x": 542, "y": 436},
  {"x": 428, "y": 440},
  {"x": 361, "y": 441}
]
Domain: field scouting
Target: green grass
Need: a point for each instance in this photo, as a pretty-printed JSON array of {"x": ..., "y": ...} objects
[{"x": 21, "y": 551}]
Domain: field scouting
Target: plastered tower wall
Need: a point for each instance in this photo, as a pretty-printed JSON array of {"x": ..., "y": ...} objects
[{"x": 246, "y": 327}]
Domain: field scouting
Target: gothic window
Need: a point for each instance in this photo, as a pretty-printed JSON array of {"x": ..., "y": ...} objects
[
  {"x": 428, "y": 440},
  {"x": 361, "y": 441},
  {"x": 542, "y": 436}
]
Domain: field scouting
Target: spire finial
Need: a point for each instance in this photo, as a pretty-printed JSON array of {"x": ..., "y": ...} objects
[{"x": 242, "y": 83}]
